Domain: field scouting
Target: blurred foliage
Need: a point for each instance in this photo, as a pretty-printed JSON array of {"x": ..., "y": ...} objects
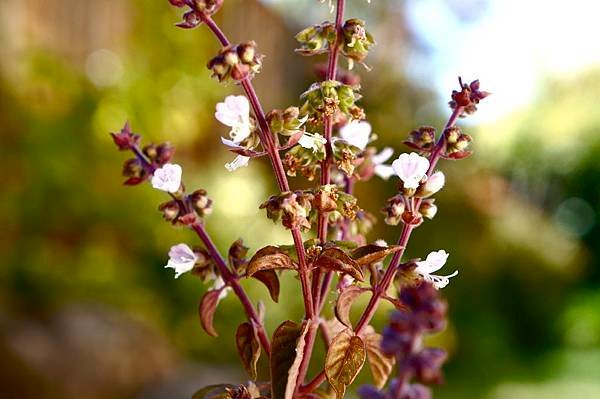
[{"x": 519, "y": 219}]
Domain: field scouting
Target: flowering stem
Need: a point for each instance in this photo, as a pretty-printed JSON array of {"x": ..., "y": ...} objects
[
  {"x": 322, "y": 225},
  {"x": 266, "y": 138},
  {"x": 388, "y": 277},
  {"x": 232, "y": 281},
  {"x": 380, "y": 289},
  {"x": 229, "y": 278}
]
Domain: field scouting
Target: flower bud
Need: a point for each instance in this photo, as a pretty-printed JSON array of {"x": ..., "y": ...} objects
[
  {"x": 421, "y": 139},
  {"x": 393, "y": 210},
  {"x": 428, "y": 209},
  {"x": 200, "y": 202},
  {"x": 133, "y": 168},
  {"x": 150, "y": 151},
  {"x": 246, "y": 52},
  {"x": 208, "y": 7},
  {"x": 231, "y": 57},
  {"x": 452, "y": 134},
  {"x": 463, "y": 142},
  {"x": 164, "y": 153},
  {"x": 191, "y": 19},
  {"x": 236, "y": 62},
  {"x": 170, "y": 210},
  {"x": 134, "y": 171},
  {"x": 468, "y": 97},
  {"x": 125, "y": 139},
  {"x": 427, "y": 365},
  {"x": 432, "y": 185}
]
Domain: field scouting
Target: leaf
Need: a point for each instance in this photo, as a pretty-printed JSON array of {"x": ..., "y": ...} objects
[
  {"x": 337, "y": 260},
  {"x": 268, "y": 258},
  {"x": 248, "y": 347},
  {"x": 380, "y": 365},
  {"x": 344, "y": 303},
  {"x": 295, "y": 368},
  {"x": 345, "y": 358},
  {"x": 270, "y": 279},
  {"x": 373, "y": 253},
  {"x": 283, "y": 356},
  {"x": 207, "y": 308},
  {"x": 217, "y": 391}
]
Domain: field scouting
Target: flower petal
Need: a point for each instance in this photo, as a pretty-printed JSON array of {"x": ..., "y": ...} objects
[
  {"x": 356, "y": 133},
  {"x": 383, "y": 156},
  {"x": 238, "y": 162},
  {"x": 167, "y": 178},
  {"x": 384, "y": 171}
]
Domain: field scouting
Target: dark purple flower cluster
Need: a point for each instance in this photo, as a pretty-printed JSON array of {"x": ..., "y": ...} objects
[{"x": 403, "y": 339}]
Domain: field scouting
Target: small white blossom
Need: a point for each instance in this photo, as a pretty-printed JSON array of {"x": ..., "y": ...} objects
[
  {"x": 356, "y": 133},
  {"x": 312, "y": 142},
  {"x": 411, "y": 169},
  {"x": 434, "y": 262},
  {"x": 382, "y": 170},
  {"x": 435, "y": 183},
  {"x": 238, "y": 162},
  {"x": 167, "y": 178},
  {"x": 182, "y": 259},
  {"x": 235, "y": 113},
  {"x": 381, "y": 243}
]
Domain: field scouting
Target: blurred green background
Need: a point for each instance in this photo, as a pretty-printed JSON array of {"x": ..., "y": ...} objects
[{"x": 86, "y": 307}]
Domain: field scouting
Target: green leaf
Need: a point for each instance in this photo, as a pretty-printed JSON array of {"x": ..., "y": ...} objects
[
  {"x": 345, "y": 358},
  {"x": 270, "y": 279},
  {"x": 344, "y": 303},
  {"x": 380, "y": 365},
  {"x": 373, "y": 253},
  {"x": 269, "y": 258},
  {"x": 287, "y": 339},
  {"x": 206, "y": 310},
  {"x": 337, "y": 260},
  {"x": 248, "y": 347}
]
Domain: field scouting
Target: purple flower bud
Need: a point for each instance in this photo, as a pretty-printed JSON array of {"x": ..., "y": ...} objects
[
  {"x": 370, "y": 392},
  {"x": 125, "y": 139},
  {"x": 427, "y": 365},
  {"x": 416, "y": 391}
]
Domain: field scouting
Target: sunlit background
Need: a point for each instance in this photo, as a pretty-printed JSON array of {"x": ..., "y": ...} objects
[{"x": 86, "y": 307}]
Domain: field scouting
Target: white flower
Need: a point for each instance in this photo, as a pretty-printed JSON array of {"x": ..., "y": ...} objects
[
  {"x": 381, "y": 243},
  {"x": 382, "y": 170},
  {"x": 182, "y": 259},
  {"x": 235, "y": 113},
  {"x": 434, "y": 262},
  {"x": 312, "y": 142},
  {"x": 411, "y": 169},
  {"x": 238, "y": 162},
  {"x": 219, "y": 284},
  {"x": 167, "y": 178},
  {"x": 356, "y": 133},
  {"x": 434, "y": 184}
]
